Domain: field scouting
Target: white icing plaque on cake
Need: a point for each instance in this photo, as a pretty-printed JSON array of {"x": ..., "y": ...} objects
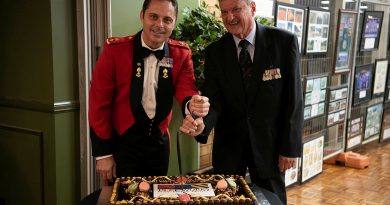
[{"x": 174, "y": 190}]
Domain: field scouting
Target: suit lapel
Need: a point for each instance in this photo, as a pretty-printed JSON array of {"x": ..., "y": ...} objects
[
  {"x": 231, "y": 68},
  {"x": 137, "y": 78},
  {"x": 260, "y": 60}
]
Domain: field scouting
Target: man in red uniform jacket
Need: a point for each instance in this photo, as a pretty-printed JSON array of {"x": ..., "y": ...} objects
[{"x": 132, "y": 89}]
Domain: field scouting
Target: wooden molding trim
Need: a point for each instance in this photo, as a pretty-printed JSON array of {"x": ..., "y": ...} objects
[{"x": 40, "y": 106}]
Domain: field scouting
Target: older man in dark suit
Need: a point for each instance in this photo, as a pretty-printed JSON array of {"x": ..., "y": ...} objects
[{"x": 254, "y": 87}]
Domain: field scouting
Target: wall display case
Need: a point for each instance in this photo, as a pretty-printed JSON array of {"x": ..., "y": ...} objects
[
  {"x": 315, "y": 95},
  {"x": 345, "y": 41},
  {"x": 362, "y": 89},
  {"x": 317, "y": 31},
  {"x": 371, "y": 30},
  {"x": 291, "y": 175},
  {"x": 355, "y": 132},
  {"x": 378, "y": 89},
  {"x": 312, "y": 156},
  {"x": 373, "y": 120},
  {"x": 385, "y": 135},
  {"x": 291, "y": 18}
]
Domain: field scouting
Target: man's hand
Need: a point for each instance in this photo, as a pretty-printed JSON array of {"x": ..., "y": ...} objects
[
  {"x": 286, "y": 163},
  {"x": 192, "y": 127},
  {"x": 199, "y": 105},
  {"x": 106, "y": 168}
]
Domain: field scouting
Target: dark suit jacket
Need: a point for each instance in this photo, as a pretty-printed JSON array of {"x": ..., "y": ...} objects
[
  {"x": 117, "y": 84},
  {"x": 272, "y": 114}
]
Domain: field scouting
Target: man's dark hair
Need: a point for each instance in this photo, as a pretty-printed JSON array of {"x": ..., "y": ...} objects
[{"x": 147, "y": 3}]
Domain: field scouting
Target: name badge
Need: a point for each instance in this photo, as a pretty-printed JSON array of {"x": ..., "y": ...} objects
[
  {"x": 271, "y": 74},
  {"x": 166, "y": 62}
]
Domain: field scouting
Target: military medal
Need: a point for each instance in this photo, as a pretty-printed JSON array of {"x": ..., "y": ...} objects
[
  {"x": 138, "y": 70},
  {"x": 166, "y": 62},
  {"x": 165, "y": 73}
]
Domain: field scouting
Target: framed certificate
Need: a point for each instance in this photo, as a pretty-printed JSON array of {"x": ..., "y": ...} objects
[
  {"x": 371, "y": 30},
  {"x": 354, "y": 132},
  {"x": 291, "y": 17},
  {"x": 345, "y": 41},
  {"x": 373, "y": 120},
  {"x": 362, "y": 89},
  {"x": 380, "y": 77},
  {"x": 317, "y": 31}
]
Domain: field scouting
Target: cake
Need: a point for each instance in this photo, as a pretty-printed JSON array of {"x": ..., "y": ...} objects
[{"x": 175, "y": 190}]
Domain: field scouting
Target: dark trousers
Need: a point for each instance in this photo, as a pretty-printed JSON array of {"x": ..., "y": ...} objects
[
  {"x": 140, "y": 154},
  {"x": 274, "y": 184}
]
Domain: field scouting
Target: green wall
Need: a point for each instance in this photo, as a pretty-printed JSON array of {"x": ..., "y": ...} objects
[
  {"x": 38, "y": 70},
  {"x": 125, "y": 21},
  {"x": 125, "y": 15}
]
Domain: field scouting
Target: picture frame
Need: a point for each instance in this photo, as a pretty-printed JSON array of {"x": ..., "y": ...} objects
[
  {"x": 338, "y": 93},
  {"x": 387, "y": 90},
  {"x": 371, "y": 30},
  {"x": 291, "y": 18},
  {"x": 373, "y": 121},
  {"x": 385, "y": 131},
  {"x": 354, "y": 132},
  {"x": 345, "y": 39},
  {"x": 334, "y": 141},
  {"x": 362, "y": 89},
  {"x": 317, "y": 31},
  {"x": 292, "y": 175},
  {"x": 380, "y": 77},
  {"x": 315, "y": 96},
  {"x": 312, "y": 156}
]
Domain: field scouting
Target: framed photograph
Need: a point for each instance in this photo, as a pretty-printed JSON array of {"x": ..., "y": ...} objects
[
  {"x": 345, "y": 41},
  {"x": 380, "y": 77},
  {"x": 335, "y": 118},
  {"x": 362, "y": 89},
  {"x": 354, "y": 132},
  {"x": 312, "y": 156},
  {"x": 373, "y": 120},
  {"x": 291, "y": 17},
  {"x": 292, "y": 174},
  {"x": 371, "y": 30},
  {"x": 338, "y": 93},
  {"x": 315, "y": 96},
  {"x": 317, "y": 31},
  {"x": 385, "y": 135}
]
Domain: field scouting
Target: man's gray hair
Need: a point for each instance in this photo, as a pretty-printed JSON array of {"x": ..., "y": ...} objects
[{"x": 247, "y": 1}]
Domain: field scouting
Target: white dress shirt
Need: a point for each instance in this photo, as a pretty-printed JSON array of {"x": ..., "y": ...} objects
[{"x": 151, "y": 71}]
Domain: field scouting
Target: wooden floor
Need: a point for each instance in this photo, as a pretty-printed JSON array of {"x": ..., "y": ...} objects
[{"x": 342, "y": 185}]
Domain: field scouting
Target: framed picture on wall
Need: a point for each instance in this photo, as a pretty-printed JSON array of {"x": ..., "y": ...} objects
[
  {"x": 315, "y": 96},
  {"x": 371, "y": 30},
  {"x": 337, "y": 105},
  {"x": 291, "y": 17},
  {"x": 385, "y": 135},
  {"x": 292, "y": 174},
  {"x": 317, "y": 30},
  {"x": 362, "y": 88},
  {"x": 387, "y": 90},
  {"x": 354, "y": 132},
  {"x": 345, "y": 41},
  {"x": 380, "y": 77},
  {"x": 373, "y": 120},
  {"x": 312, "y": 156}
]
